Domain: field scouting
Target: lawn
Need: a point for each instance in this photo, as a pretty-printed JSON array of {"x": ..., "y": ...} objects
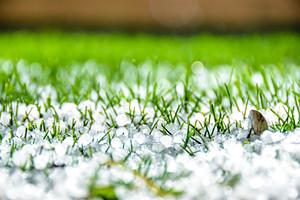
[
  {"x": 143, "y": 116},
  {"x": 59, "y": 49}
]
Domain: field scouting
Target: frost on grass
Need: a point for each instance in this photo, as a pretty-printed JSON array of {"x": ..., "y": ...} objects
[{"x": 147, "y": 133}]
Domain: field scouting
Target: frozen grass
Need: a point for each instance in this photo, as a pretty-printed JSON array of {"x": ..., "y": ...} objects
[
  {"x": 147, "y": 132},
  {"x": 122, "y": 117}
]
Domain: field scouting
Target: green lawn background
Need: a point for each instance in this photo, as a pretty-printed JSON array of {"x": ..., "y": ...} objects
[{"x": 57, "y": 49}]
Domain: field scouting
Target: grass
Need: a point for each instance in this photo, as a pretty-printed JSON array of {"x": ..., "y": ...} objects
[
  {"x": 167, "y": 104},
  {"x": 54, "y": 51},
  {"x": 58, "y": 49},
  {"x": 199, "y": 102}
]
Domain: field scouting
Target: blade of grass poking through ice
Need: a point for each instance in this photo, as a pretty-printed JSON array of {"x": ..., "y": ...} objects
[
  {"x": 187, "y": 138},
  {"x": 246, "y": 107},
  {"x": 296, "y": 100},
  {"x": 198, "y": 134},
  {"x": 165, "y": 130},
  {"x": 229, "y": 96}
]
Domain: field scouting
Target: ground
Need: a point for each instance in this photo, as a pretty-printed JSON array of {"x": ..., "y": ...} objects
[{"x": 119, "y": 116}]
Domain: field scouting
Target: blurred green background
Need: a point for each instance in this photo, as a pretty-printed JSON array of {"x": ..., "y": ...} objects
[{"x": 57, "y": 49}]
